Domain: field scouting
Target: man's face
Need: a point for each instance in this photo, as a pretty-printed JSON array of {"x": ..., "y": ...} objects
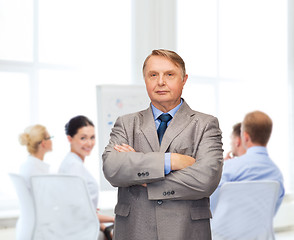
[
  {"x": 235, "y": 141},
  {"x": 164, "y": 83}
]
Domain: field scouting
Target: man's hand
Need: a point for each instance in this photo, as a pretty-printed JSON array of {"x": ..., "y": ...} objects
[
  {"x": 180, "y": 161},
  {"x": 124, "y": 148},
  {"x": 228, "y": 156}
]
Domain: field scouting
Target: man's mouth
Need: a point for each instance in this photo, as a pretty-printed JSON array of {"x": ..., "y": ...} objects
[{"x": 161, "y": 92}]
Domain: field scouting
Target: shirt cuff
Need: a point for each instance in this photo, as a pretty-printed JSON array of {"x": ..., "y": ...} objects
[{"x": 167, "y": 165}]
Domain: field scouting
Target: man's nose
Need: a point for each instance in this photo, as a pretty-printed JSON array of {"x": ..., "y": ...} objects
[{"x": 161, "y": 80}]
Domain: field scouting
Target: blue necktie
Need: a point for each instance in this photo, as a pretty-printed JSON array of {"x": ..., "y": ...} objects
[{"x": 164, "y": 118}]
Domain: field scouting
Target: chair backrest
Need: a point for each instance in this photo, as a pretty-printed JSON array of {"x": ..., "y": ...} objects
[
  {"x": 64, "y": 210},
  {"x": 245, "y": 211},
  {"x": 26, "y": 220}
]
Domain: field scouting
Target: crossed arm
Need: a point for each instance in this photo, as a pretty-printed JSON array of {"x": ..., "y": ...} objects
[
  {"x": 189, "y": 179},
  {"x": 178, "y": 161}
]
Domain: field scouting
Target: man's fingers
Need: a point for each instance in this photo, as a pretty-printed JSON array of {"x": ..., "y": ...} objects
[
  {"x": 124, "y": 148},
  {"x": 128, "y": 147}
]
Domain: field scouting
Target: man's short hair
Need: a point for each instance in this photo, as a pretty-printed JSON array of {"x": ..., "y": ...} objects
[
  {"x": 259, "y": 127},
  {"x": 237, "y": 130},
  {"x": 170, "y": 55}
]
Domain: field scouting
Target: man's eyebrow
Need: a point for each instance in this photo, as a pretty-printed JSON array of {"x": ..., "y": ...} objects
[{"x": 152, "y": 71}]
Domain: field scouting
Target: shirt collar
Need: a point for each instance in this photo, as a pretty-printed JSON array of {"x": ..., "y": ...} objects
[
  {"x": 75, "y": 157},
  {"x": 38, "y": 161},
  {"x": 157, "y": 112},
  {"x": 257, "y": 149}
]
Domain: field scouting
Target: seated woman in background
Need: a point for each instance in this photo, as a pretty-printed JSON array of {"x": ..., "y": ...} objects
[
  {"x": 80, "y": 133},
  {"x": 38, "y": 142}
]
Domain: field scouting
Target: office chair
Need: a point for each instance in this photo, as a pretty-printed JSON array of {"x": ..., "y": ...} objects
[
  {"x": 26, "y": 221},
  {"x": 245, "y": 211},
  {"x": 64, "y": 210}
]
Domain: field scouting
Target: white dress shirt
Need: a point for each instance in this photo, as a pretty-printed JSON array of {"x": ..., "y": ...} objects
[
  {"x": 33, "y": 166},
  {"x": 73, "y": 165}
]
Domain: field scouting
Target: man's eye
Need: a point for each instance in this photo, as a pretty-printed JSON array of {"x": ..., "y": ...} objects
[
  {"x": 152, "y": 74},
  {"x": 83, "y": 138}
]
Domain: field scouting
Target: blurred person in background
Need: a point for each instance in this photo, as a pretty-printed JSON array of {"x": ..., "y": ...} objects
[
  {"x": 38, "y": 142},
  {"x": 255, "y": 164},
  {"x": 237, "y": 148},
  {"x": 80, "y": 133}
]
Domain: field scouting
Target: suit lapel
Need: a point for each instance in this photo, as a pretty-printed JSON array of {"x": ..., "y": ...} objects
[
  {"x": 180, "y": 121},
  {"x": 148, "y": 128}
]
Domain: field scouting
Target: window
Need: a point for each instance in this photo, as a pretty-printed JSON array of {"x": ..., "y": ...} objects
[
  {"x": 15, "y": 108},
  {"x": 16, "y": 27},
  {"x": 52, "y": 56},
  {"x": 236, "y": 55}
]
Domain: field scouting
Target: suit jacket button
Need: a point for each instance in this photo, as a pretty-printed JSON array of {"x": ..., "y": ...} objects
[
  {"x": 168, "y": 193},
  {"x": 172, "y": 192},
  {"x": 159, "y": 202},
  {"x": 139, "y": 174},
  {"x": 164, "y": 193},
  {"x": 143, "y": 174},
  {"x": 147, "y": 173}
]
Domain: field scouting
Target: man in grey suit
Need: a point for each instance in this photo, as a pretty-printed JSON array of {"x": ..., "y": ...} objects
[{"x": 165, "y": 175}]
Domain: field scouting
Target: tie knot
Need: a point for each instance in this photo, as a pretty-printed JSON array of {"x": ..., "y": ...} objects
[{"x": 165, "y": 117}]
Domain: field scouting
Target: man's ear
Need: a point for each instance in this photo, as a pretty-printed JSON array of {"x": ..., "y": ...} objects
[
  {"x": 69, "y": 138},
  {"x": 185, "y": 79},
  {"x": 246, "y": 137}
]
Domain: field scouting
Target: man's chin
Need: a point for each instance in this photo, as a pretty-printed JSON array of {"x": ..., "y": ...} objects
[{"x": 162, "y": 98}]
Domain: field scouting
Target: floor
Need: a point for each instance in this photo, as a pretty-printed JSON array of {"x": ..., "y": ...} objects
[{"x": 9, "y": 234}]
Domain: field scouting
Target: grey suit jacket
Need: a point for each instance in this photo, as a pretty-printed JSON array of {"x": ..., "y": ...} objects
[{"x": 175, "y": 206}]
